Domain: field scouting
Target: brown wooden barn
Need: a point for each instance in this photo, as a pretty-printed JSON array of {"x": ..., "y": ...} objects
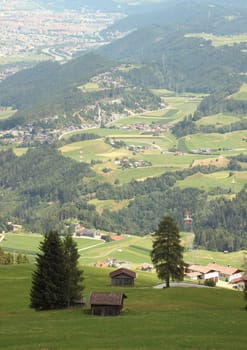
[
  {"x": 122, "y": 277},
  {"x": 106, "y": 304}
]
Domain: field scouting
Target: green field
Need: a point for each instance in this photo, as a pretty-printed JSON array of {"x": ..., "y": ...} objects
[
  {"x": 109, "y": 204},
  {"x": 90, "y": 87},
  {"x": 171, "y": 319},
  {"x": 102, "y": 132},
  {"x": 218, "y": 179},
  {"x": 162, "y": 92},
  {"x": 133, "y": 249},
  {"x": 232, "y": 140},
  {"x": 22, "y": 58},
  {"x": 98, "y": 150},
  {"x": 157, "y": 154},
  {"x": 161, "y": 160},
  {"x": 241, "y": 94},
  {"x": 219, "y": 120},
  {"x": 220, "y": 40},
  {"x": 204, "y": 257},
  {"x": 5, "y": 113},
  {"x": 145, "y": 119},
  {"x": 17, "y": 150}
]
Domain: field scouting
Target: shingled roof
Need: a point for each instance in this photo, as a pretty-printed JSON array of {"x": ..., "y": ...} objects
[
  {"x": 106, "y": 298},
  {"x": 200, "y": 268},
  {"x": 226, "y": 270},
  {"x": 122, "y": 271}
]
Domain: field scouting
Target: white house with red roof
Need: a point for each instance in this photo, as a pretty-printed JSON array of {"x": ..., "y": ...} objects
[
  {"x": 199, "y": 272},
  {"x": 241, "y": 283},
  {"x": 227, "y": 273}
]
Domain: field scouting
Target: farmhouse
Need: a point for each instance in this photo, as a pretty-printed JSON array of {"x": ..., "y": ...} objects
[
  {"x": 106, "y": 303},
  {"x": 122, "y": 277},
  {"x": 226, "y": 273},
  {"x": 241, "y": 283},
  {"x": 198, "y": 272}
]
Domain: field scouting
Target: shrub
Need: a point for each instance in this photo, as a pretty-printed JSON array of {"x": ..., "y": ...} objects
[{"x": 209, "y": 283}]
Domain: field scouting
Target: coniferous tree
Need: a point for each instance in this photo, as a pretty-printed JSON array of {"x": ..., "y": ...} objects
[
  {"x": 167, "y": 252},
  {"x": 74, "y": 276},
  {"x": 49, "y": 280},
  {"x": 57, "y": 282}
]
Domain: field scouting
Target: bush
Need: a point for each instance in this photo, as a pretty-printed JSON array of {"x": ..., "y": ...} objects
[{"x": 209, "y": 283}]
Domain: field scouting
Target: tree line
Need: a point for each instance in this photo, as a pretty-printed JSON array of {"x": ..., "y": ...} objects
[
  {"x": 8, "y": 258},
  {"x": 43, "y": 190}
]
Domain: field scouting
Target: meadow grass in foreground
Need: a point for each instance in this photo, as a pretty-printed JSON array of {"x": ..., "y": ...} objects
[{"x": 175, "y": 318}]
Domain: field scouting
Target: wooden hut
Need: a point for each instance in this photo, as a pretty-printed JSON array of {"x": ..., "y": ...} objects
[
  {"x": 106, "y": 304},
  {"x": 122, "y": 277}
]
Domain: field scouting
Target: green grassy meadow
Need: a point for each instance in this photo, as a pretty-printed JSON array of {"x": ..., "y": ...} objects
[
  {"x": 172, "y": 319},
  {"x": 219, "y": 179},
  {"x": 5, "y": 113},
  {"x": 218, "y": 120},
  {"x": 25, "y": 57},
  {"x": 232, "y": 140},
  {"x": 241, "y": 94},
  {"x": 133, "y": 249},
  {"x": 161, "y": 160},
  {"x": 90, "y": 87}
]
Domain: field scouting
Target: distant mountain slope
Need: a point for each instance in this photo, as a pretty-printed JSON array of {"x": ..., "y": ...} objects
[
  {"x": 217, "y": 16},
  {"x": 38, "y": 187},
  {"x": 48, "y": 88},
  {"x": 181, "y": 63},
  {"x": 168, "y": 59}
]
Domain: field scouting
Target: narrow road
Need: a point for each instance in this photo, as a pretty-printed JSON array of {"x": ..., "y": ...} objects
[{"x": 181, "y": 285}]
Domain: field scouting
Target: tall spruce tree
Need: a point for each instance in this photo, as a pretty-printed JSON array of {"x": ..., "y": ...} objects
[
  {"x": 167, "y": 252},
  {"x": 74, "y": 276},
  {"x": 56, "y": 280}
]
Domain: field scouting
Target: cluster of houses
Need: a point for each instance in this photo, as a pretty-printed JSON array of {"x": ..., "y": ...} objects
[
  {"x": 233, "y": 276},
  {"x": 132, "y": 163},
  {"x": 31, "y": 134},
  {"x": 111, "y": 262},
  {"x": 152, "y": 127}
]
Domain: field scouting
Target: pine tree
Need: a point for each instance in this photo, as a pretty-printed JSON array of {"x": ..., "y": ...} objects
[
  {"x": 167, "y": 252},
  {"x": 74, "y": 276},
  {"x": 49, "y": 280},
  {"x": 57, "y": 281}
]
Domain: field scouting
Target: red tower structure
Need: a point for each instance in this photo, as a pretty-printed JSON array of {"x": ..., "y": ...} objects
[{"x": 187, "y": 219}]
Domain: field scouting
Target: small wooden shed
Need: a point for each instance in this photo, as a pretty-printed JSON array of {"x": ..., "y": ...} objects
[
  {"x": 122, "y": 277},
  {"x": 106, "y": 303}
]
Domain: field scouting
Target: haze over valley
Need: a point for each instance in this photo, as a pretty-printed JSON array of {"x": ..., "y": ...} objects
[
  {"x": 123, "y": 172},
  {"x": 127, "y": 111}
]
